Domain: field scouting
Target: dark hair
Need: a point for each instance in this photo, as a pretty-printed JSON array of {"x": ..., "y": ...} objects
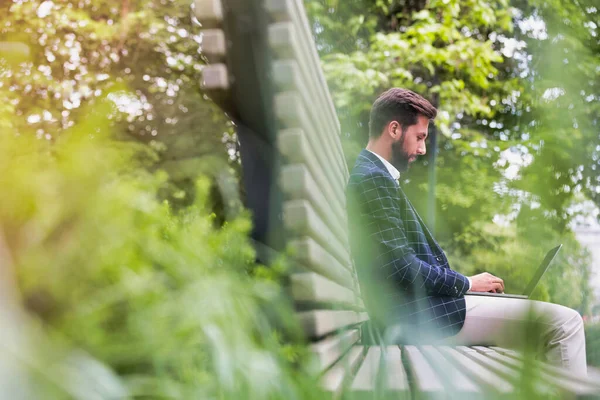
[{"x": 401, "y": 105}]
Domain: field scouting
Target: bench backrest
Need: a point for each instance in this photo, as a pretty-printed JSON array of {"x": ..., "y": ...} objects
[{"x": 311, "y": 179}]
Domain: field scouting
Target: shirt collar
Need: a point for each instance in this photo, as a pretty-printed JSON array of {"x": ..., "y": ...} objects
[{"x": 391, "y": 169}]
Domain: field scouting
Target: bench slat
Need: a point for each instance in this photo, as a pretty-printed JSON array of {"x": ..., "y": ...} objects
[
  {"x": 311, "y": 287},
  {"x": 300, "y": 219},
  {"x": 559, "y": 380},
  {"x": 291, "y": 112},
  {"x": 295, "y": 146},
  {"x": 318, "y": 323},
  {"x": 215, "y": 77},
  {"x": 213, "y": 45},
  {"x": 494, "y": 365},
  {"x": 365, "y": 382},
  {"x": 551, "y": 369},
  {"x": 333, "y": 380},
  {"x": 381, "y": 372},
  {"x": 484, "y": 376},
  {"x": 293, "y": 10},
  {"x": 511, "y": 374},
  {"x": 288, "y": 43},
  {"x": 454, "y": 380},
  {"x": 289, "y": 74},
  {"x": 396, "y": 378},
  {"x": 508, "y": 352},
  {"x": 329, "y": 350},
  {"x": 288, "y": 77},
  {"x": 298, "y": 184},
  {"x": 280, "y": 10},
  {"x": 424, "y": 377},
  {"x": 314, "y": 257},
  {"x": 208, "y": 11}
]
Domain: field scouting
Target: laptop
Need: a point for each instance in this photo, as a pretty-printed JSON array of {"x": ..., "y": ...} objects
[{"x": 534, "y": 281}]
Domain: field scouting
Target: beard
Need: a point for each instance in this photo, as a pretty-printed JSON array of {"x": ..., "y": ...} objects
[{"x": 400, "y": 159}]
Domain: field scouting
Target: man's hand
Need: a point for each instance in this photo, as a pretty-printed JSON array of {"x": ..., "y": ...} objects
[{"x": 486, "y": 283}]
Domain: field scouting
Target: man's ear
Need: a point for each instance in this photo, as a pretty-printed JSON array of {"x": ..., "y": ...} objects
[{"x": 394, "y": 129}]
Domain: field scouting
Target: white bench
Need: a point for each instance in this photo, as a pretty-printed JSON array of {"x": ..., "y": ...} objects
[{"x": 311, "y": 180}]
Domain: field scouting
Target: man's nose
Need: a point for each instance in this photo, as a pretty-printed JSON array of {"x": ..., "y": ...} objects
[{"x": 421, "y": 150}]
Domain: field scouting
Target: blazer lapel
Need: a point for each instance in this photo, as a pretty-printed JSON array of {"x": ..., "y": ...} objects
[
  {"x": 409, "y": 213},
  {"x": 414, "y": 216},
  {"x": 373, "y": 159},
  {"x": 417, "y": 233}
]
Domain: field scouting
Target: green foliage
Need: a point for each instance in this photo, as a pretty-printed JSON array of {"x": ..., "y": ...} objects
[
  {"x": 486, "y": 68},
  {"x": 592, "y": 343},
  {"x": 142, "y": 54},
  {"x": 123, "y": 218},
  {"x": 170, "y": 303},
  {"x": 564, "y": 90},
  {"x": 437, "y": 51}
]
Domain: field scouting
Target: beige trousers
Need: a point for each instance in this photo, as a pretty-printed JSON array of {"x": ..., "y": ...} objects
[{"x": 517, "y": 323}]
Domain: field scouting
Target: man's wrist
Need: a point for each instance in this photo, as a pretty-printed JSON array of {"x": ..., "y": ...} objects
[{"x": 470, "y": 283}]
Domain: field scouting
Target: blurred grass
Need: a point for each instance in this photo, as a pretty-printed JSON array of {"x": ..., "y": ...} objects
[{"x": 172, "y": 303}]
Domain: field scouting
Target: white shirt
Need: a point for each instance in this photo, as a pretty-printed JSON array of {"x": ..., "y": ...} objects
[
  {"x": 391, "y": 169},
  {"x": 396, "y": 175}
]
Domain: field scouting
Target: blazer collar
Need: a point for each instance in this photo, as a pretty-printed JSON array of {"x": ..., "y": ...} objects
[
  {"x": 391, "y": 169},
  {"x": 375, "y": 160}
]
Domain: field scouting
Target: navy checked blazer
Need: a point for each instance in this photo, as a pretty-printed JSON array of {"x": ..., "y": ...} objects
[{"x": 404, "y": 275}]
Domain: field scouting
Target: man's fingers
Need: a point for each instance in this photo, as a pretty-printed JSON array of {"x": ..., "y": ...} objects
[
  {"x": 499, "y": 281},
  {"x": 486, "y": 282},
  {"x": 495, "y": 287}
]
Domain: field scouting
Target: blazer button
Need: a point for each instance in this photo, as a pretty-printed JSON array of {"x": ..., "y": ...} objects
[{"x": 438, "y": 258}]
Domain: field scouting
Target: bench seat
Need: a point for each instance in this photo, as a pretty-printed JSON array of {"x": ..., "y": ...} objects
[{"x": 403, "y": 372}]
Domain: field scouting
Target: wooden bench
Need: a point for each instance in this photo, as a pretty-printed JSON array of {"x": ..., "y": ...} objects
[{"x": 303, "y": 145}]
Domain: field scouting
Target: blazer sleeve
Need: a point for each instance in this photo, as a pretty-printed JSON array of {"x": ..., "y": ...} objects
[{"x": 377, "y": 197}]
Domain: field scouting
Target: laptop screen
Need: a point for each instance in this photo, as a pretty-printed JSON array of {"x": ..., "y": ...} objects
[{"x": 541, "y": 270}]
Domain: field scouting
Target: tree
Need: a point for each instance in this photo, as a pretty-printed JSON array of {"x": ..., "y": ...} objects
[
  {"x": 141, "y": 54},
  {"x": 470, "y": 61},
  {"x": 563, "y": 82}
]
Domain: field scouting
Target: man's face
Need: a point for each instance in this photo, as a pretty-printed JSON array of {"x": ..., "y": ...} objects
[{"x": 408, "y": 146}]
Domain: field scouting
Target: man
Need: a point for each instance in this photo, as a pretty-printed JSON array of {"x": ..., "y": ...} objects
[{"x": 405, "y": 278}]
